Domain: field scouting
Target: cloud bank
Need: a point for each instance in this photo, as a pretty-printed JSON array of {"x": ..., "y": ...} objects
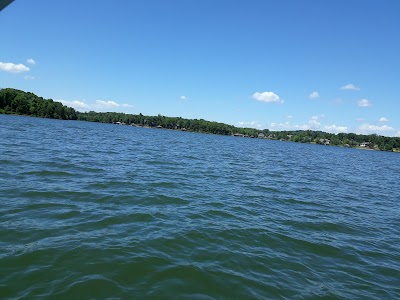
[
  {"x": 369, "y": 128},
  {"x": 78, "y": 105},
  {"x": 336, "y": 129},
  {"x": 99, "y": 105}
]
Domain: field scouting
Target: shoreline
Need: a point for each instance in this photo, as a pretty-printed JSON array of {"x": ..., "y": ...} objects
[
  {"x": 395, "y": 150},
  {"x": 17, "y": 102}
]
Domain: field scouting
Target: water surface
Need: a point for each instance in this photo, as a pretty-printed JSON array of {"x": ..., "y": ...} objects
[{"x": 101, "y": 211}]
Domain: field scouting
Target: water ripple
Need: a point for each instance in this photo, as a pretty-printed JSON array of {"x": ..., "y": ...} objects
[{"x": 118, "y": 212}]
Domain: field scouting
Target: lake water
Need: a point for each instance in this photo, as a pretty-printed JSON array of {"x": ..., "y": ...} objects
[{"x": 101, "y": 211}]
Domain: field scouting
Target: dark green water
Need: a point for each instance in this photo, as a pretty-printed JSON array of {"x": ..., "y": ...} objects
[{"x": 100, "y": 211}]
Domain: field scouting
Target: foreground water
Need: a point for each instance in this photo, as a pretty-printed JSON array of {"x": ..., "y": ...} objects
[{"x": 100, "y": 211}]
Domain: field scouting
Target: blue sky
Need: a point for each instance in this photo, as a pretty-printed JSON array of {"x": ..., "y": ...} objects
[{"x": 322, "y": 65}]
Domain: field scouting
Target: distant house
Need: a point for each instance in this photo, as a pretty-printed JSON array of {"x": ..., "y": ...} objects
[
  {"x": 325, "y": 142},
  {"x": 261, "y": 135},
  {"x": 238, "y": 134},
  {"x": 365, "y": 144}
]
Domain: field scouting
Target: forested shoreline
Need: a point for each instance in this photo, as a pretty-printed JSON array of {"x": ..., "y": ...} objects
[{"x": 14, "y": 101}]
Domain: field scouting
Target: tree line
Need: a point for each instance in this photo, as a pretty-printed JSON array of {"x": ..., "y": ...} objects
[
  {"x": 14, "y": 101},
  {"x": 370, "y": 141}
]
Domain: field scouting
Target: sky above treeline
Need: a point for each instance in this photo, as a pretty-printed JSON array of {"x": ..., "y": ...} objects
[{"x": 283, "y": 65}]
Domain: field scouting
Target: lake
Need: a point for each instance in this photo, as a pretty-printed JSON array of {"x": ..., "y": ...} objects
[{"x": 102, "y": 211}]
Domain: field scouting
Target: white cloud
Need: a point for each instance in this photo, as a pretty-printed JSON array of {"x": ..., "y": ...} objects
[
  {"x": 78, "y": 105},
  {"x": 350, "y": 86},
  {"x": 250, "y": 124},
  {"x": 369, "y": 128},
  {"x": 302, "y": 127},
  {"x": 183, "y": 98},
  {"x": 31, "y": 61},
  {"x": 13, "y": 68},
  {"x": 106, "y": 104},
  {"x": 289, "y": 126},
  {"x": 383, "y": 119},
  {"x": 27, "y": 77},
  {"x": 363, "y": 103},
  {"x": 109, "y": 105},
  {"x": 267, "y": 97},
  {"x": 281, "y": 125},
  {"x": 99, "y": 105},
  {"x": 315, "y": 121},
  {"x": 314, "y": 95},
  {"x": 336, "y": 129}
]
